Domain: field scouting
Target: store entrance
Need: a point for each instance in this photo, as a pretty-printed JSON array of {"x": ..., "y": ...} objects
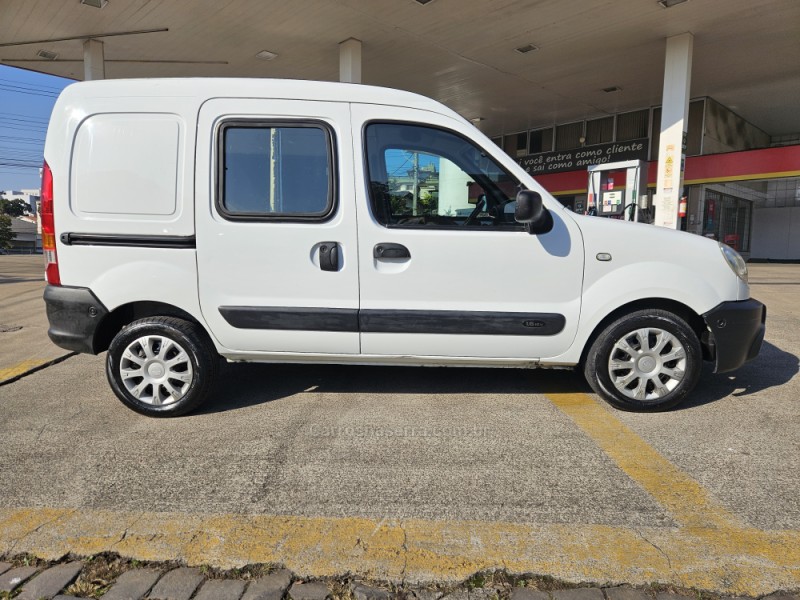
[{"x": 727, "y": 219}]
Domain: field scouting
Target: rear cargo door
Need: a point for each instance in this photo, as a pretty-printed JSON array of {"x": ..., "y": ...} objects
[{"x": 276, "y": 226}]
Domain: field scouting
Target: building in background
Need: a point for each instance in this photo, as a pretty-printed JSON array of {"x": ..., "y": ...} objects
[
  {"x": 560, "y": 85},
  {"x": 27, "y": 239},
  {"x": 26, "y": 228},
  {"x": 29, "y": 197},
  {"x": 742, "y": 185}
]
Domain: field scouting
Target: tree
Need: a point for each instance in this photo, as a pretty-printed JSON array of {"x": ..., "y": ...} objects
[
  {"x": 6, "y": 235},
  {"x": 428, "y": 203},
  {"x": 13, "y": 208}
]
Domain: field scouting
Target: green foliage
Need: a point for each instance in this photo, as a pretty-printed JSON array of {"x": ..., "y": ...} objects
[
  {"x": 478, "y": 580},
  {"x": 401, "y": 204},
  {"x": 428, "y": 204},
  {"x": 6, "y": 235},
  {"x": 14, "y": 208}
]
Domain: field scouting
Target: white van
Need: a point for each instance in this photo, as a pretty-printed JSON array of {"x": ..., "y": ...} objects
[{"x": 296, "y": 221}]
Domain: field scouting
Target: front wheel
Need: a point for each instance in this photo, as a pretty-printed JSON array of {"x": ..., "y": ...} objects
[
  {"x": 161, "y": 366},
  {"x": 646, "y": 361}
]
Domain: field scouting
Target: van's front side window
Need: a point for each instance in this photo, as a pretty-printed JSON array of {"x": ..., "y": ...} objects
[
  {"x": 275, "y": 171},
  {"x": 428, "y": 177}
]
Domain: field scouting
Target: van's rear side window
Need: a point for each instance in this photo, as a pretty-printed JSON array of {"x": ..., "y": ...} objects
[{"x": 282, "y": 171}]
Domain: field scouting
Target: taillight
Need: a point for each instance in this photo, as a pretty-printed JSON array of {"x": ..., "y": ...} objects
[{"x": 49, "y": 229}]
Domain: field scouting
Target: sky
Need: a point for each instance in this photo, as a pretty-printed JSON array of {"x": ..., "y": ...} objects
[
  {"x": 26, "y": 101},
  {"x": 400, "y": 162}
]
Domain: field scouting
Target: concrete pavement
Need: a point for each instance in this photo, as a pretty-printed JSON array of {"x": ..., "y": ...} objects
[
  {"x": 410, "y": 474},
  {"x": 24, "y": 344}
]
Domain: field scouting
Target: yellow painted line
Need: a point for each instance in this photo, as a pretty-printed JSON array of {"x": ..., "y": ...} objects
[
  {"x": 414, "y": 550},
  {"x": 685, "y": 499},
  {"x": 748, "y": 177},
  {"x": 710, "y": 549},
  {"x": 717, "y": 530},
  {"x": 569, "y": 192},
  {"x": 20, "y": 368}
]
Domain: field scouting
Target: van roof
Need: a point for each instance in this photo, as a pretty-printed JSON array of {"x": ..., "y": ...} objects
[{"x": 218, "y": 87}]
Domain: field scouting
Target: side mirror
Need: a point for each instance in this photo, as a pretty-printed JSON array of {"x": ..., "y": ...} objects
[{"x": 530, "y": 211}]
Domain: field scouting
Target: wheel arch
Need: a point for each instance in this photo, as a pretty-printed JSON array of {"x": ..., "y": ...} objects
[
  {"x": 125, "y": 314},
  {"x": 694, "y": 320}
]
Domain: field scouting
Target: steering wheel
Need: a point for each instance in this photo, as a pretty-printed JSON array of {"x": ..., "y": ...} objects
[
  {"x": 498, "y": 212},
  {"x": 479, "y": 206}
]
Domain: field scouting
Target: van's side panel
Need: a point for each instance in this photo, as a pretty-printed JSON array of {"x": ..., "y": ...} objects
[
  {"x": 123, "y": 184},
  {"x": 686, "y": 273},
  {"x": 465, "y": 292},
  {"x": 262, "y": 285}
]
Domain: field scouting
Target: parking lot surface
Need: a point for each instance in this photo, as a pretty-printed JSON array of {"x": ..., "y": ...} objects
[
  {"x": 24, "y": 344},
  {"x": 415, "y": 474}
]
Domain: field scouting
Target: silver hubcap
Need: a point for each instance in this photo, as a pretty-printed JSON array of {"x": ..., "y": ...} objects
[
  {"x": 156, "y": 370},
  {"x": 647, "y": 364}
]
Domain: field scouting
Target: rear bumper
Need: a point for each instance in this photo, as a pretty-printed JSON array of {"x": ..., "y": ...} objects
[
  {"x": 74, "y": 314},
  {"x": 736, "y": 332}
]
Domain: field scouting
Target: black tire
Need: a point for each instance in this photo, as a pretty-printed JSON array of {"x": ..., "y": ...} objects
[
  {"x": 601, "y": 375},
  {"x": 199, "y": 363}
]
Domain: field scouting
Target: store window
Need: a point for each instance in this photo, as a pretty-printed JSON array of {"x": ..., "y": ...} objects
[
  {"x": 694, "y": 134},
  {"x": 633, "y": 125},
  {"x": 655, "y": 133},
  {"x": 569, "y": 136},
  {"x": 694, "y": 128},
  {"x": 541, "y": 140},
  {"x": 600, "y": 131},
  {"x": 727, "y": 219},
  {"x": 516, "y": 144}
]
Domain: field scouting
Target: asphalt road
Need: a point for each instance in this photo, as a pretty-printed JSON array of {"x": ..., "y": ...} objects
[
  {"x": 23, "y": 327},
  {"x": 497, "y": 448}
]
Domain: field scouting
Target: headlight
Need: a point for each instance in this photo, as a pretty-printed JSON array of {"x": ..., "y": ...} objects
[{"x": 735, "y": 261}]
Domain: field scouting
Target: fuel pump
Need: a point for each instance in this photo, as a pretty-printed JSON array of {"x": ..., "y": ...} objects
[{"x": 607, "y": 197}]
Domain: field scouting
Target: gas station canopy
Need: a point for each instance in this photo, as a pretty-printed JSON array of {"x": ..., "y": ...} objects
[{"x": 511, "y": 64}]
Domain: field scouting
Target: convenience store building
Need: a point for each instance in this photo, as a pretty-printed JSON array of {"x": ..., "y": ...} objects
[{"x": 705, "y": 92}]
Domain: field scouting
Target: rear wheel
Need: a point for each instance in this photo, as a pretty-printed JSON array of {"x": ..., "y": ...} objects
[
  {"x": 161, "y": 366},
  {"x": 646, "y": 361}
]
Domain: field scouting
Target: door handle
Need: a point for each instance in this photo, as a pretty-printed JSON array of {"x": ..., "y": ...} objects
[
  {"x": 390, "y": 251},
  {"x": 329, "y": 256}
]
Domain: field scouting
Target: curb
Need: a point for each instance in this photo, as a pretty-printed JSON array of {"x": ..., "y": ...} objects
[{"x": 112, "y": 577}]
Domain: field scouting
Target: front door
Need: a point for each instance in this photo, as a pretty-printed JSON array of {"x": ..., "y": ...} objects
[
  {"x": 444, "y": 268},
  {"x": 276, "y": 227}
]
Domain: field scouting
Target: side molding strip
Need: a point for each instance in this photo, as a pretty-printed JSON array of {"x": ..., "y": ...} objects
[
  {"x": 393, "y": 321},
  {"x": 460, "y": 322},
  {"x": 134, "y": 241},
  {"x": 298, "y": 319}
]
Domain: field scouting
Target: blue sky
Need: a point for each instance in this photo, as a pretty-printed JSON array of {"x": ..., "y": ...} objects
[
  {"x": 26, "y": 101},
  {"x": 399, "y": 162}
]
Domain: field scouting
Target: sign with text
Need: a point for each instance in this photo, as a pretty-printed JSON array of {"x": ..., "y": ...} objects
[
  {"x": 581, "y": 158},
  {"x": 612, "y": 203}
]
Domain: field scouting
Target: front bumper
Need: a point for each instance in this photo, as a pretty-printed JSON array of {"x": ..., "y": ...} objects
[
  {"x": 74, "y": 314},
  {"x": 735, "y": 333}
]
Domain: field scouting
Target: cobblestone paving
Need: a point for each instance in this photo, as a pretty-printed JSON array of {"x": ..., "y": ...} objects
[{"x": 159, "y": 582}]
